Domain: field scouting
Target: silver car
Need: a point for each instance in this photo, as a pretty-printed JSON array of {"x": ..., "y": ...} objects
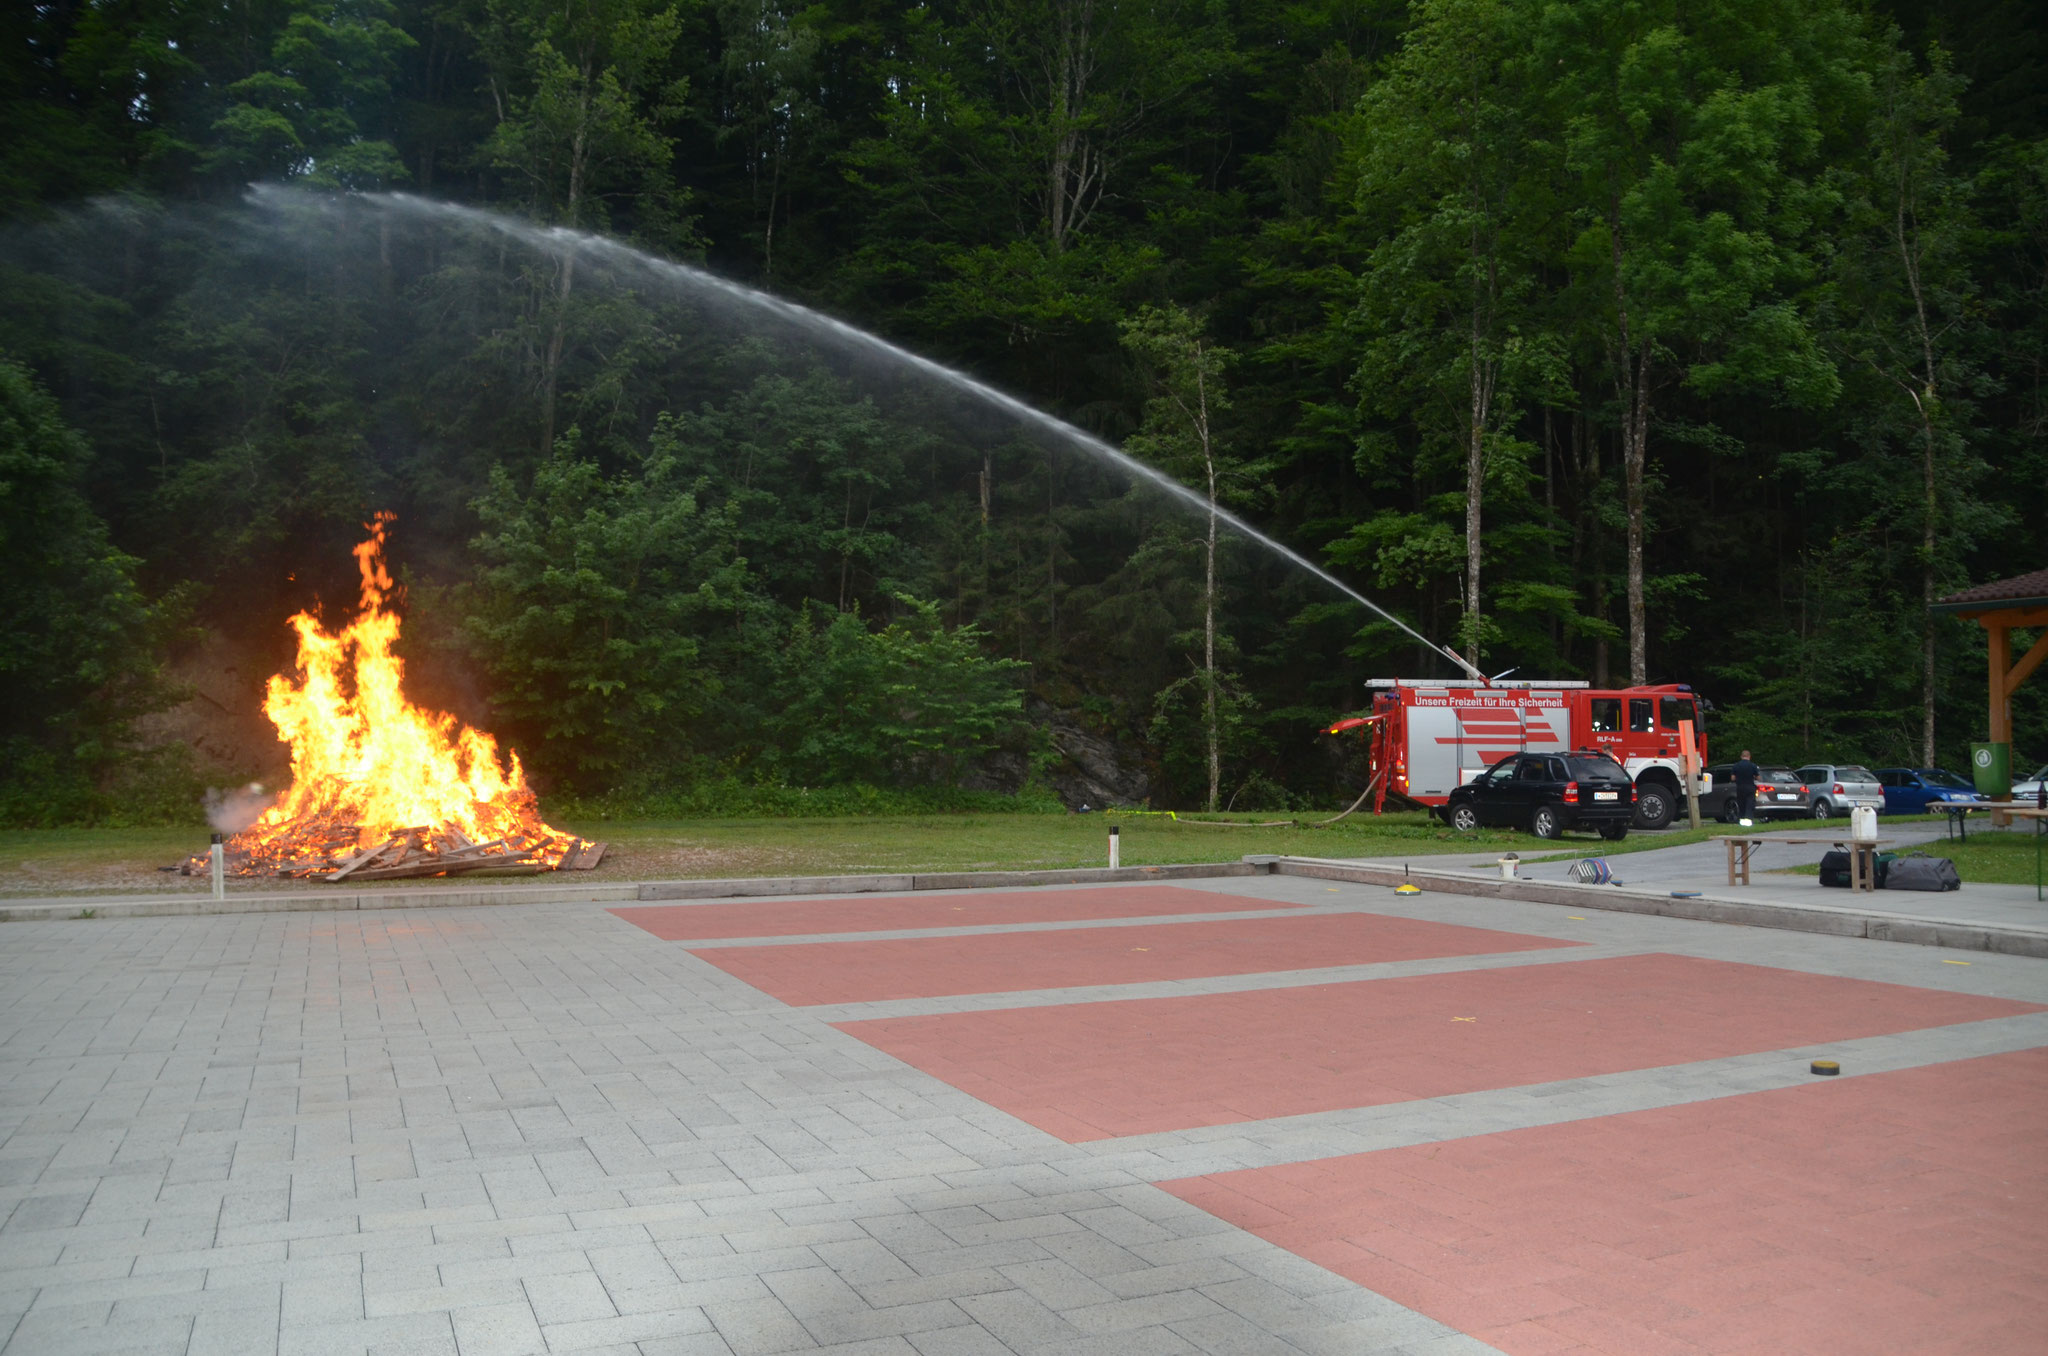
[
  {"x": 1838, "y": 788},
  {"x": 2030, "y": 788}
]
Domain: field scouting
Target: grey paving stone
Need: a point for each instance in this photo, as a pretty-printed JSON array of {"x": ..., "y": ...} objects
[
  {"x": 971, "y": 1341},
  {"x": 1127, "y": 1315},
  {"x": 52, "y": 1211},
  {"x": 498, "y": 1330},
  {"x": 1231, "y": 1335},
  {"x": 1194, "y": 1274},
  {"x": 693, "y": 1344},
  {"x": 758, "y": 1327},
  {"x": 431, "y": 1298},
  {"x": 843, "y": 1326},
  {"x": 335, "y": 1297},
  {"x": 1017, "y": 1320},
  {"x": 1056, "y": 1284},
  {"x": 423, "y": 1334},
  {"x": 1130, "y": 1342},
  {"x": 234, "y": 1332}
]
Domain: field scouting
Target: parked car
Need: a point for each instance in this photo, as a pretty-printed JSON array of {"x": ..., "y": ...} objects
[
  {"x": 2030, "y": 789},
  {"x": 1917, "y": 790},
  {"x": 1837, "y": 788},
  {"x": 1547, "y": 793},
  {"x": 1779, "y": 795}
]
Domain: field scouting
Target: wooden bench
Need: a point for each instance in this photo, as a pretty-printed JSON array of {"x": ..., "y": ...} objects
[{"x": 1862, "y": 857}]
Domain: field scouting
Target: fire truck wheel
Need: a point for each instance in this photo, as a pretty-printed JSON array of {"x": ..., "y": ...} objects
[
  {"x": 1463, "y": 818},
  {"x": 1544, "y": 823},
  {"x": 1654, "y": 805}
]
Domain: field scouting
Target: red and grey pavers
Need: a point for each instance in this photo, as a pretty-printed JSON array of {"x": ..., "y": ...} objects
[
  {"x": 1902, "y": 1211},
  {"x": 1098, "y": 1070},
  {"x": 537, "y": 1127},
  {"x": 924, "y": 967},
  {"x": 812, "y": 917}
]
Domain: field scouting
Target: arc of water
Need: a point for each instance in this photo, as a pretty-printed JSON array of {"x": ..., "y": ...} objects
[{"x": 562, "y": 240}]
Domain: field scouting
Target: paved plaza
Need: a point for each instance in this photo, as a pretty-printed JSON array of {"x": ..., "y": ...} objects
[{"x": 1265, "y": 1114}]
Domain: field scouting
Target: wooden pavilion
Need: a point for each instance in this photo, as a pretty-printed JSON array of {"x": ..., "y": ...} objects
[{"x": 2003, "y": 607}]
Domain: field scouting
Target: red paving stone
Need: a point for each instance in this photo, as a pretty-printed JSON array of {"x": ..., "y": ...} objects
[
  {"x": 804, "y": 917},
  {"x": 1096, "y": 1070},
  {"x": 1007, "y": 962},
  {"x": 1897, "y": 1212}
]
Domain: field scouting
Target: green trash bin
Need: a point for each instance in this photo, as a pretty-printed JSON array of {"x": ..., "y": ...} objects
[{"x": 1991, "y": 767}]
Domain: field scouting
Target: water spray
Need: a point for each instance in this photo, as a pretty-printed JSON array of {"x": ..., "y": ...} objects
[{"x": 565, "y": 242}]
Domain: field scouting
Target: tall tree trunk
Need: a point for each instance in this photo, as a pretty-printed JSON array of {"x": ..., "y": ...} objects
[
  {"x": 768, "y": 236},
  {"x": 1209, "y": 605},
  {"x": 1923, "y": 400},
  {"x": 1071, "y": 170},
  {"x": 1636, "y": 437},
  {"x": 1927, "y": 595},
  {"x": 1475, "y": 487},
  {"x": 1632, "y": 390},
  {"x": 551, "y": 362},
  {"x": 1052, "y": 566},
  {"x": 551, "y": 366}
]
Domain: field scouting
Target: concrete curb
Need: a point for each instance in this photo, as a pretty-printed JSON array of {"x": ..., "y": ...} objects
[
  {"x": 1956, "y": 934},
  {"x": 624, "y": 892},
  {"x": 939, "y": 880}
]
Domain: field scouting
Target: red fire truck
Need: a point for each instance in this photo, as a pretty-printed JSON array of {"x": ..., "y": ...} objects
[{"x": 1427, "y": 736}]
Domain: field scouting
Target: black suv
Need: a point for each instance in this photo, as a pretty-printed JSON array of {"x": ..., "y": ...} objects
[{"x": 1547, "y": 793}]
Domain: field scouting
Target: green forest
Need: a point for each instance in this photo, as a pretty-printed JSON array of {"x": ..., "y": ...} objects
[{"x": 1621, "y": 340}]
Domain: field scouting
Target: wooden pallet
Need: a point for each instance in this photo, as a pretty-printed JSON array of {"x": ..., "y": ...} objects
[{"x": 423, "y": 850}]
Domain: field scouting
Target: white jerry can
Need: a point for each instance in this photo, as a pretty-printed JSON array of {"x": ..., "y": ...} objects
[{"x": 1863, "y": 824}]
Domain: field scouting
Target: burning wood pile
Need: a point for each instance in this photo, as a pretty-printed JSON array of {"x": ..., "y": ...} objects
[{"x": 381, "y": 789}]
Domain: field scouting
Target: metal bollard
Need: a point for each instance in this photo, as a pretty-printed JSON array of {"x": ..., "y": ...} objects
[
  {"x": 220, "y": 885},
  {"x": 1114, "y": 855}
]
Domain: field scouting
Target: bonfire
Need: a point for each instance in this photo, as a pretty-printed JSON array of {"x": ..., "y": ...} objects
[{"x": 381, "y": 788}]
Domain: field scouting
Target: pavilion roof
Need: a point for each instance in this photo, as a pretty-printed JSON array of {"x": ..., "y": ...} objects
[{"x": 2020, "y": 591}]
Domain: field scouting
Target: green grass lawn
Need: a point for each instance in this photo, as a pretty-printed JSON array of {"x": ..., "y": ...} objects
[{"x": 126, "y": 861}]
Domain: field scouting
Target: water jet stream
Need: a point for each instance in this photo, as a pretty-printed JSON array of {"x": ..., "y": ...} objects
[{"x": 561, "y": 240}]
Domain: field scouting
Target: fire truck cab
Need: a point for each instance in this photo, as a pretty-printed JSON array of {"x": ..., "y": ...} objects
[{"x": 1427, "y": 737}]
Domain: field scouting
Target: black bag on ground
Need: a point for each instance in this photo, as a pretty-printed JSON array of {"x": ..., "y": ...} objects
[
  {"x": 1918, "y": 871},
  {"x": 1834, "y": 868}
]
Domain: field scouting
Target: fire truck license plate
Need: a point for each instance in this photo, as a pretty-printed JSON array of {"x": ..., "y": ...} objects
[{"x": 1606, "y": 795}]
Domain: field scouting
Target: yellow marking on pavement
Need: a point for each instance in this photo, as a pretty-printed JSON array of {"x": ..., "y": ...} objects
[
  {"x": 1141, "y": 948},
  {"x": 1576, "y": 917},
  {"x": 1464, "y": 1019},
  {"x": 1950, "y": 962}
]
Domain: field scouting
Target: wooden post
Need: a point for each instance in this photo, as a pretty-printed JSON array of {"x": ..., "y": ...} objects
[
  {"x": 1689, "y": 751},
  {"x": 1999, "y": 652}
]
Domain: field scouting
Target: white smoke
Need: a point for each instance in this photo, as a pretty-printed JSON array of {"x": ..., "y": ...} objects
[{"x": 232, "y": 809}]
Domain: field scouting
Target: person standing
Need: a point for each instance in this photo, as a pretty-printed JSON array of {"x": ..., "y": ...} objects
[{"x": 1745, "y": 773}]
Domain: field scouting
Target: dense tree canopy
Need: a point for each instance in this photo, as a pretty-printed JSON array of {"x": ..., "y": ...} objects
[{"x": 1627, "y": 341}]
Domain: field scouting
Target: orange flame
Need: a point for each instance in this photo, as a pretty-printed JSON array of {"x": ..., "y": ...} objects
[{"x": 366, "y": 762}]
